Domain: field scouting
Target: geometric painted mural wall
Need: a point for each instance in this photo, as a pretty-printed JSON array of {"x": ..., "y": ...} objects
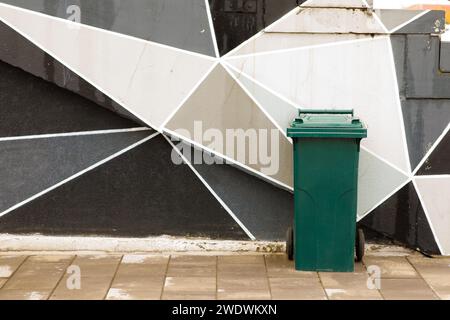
[{"x": 95, "y": 113}]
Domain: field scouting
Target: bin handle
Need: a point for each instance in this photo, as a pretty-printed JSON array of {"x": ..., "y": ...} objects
[{"x": 331, "y": 111}]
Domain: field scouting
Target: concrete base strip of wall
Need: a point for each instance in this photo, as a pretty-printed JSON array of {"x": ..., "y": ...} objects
[
  {"x": 10, "y": 243},
  {"x": 164, "y": 244}
]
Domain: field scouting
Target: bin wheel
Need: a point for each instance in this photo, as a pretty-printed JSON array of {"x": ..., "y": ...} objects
[
  {"x": 360, "y": 245},
  {"x": 290, "y": 243}
]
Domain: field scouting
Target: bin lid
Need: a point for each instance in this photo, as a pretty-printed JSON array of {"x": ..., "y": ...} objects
[{"x": 327, "y": 124}]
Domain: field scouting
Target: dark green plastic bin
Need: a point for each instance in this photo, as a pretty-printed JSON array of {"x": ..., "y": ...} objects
[{"x": 326, "y": 156}]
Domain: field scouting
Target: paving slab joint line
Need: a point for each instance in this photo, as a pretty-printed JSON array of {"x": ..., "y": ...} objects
[
  {"x": 165, "y": 277},
  {"x": 267, "y": 277},
  {"x": 113, "y": 277},
  {"x": 62, "y": 277},
  {"x": 424, "y": 280},
  {"x": 14, "y": 272},
  {"x": 322, "y": 286}
]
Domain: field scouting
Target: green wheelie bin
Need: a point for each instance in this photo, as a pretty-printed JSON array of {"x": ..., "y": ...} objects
[{"x": 326, "y": 157}]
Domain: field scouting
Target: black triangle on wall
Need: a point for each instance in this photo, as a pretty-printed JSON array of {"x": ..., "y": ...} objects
[
  {"x": 402, "y": 219},
  {"x": 18, "y": 51},
  {"x": 181, "y": 24},
  {"x": 425, "y": 120},
  {"x": 237, "y": 21},
  {"x": 138, "y": 194},
  {"x": 265, "y": 209},
  {"x": 32, "y": 106},
  {"x": 30, "y": 166},
  {"x": 425, "y": 24},
  {"x": 439, "y": 160}
]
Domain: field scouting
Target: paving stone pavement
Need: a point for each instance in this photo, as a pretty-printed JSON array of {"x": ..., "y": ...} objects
[{"x": 210, "y": 277}]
